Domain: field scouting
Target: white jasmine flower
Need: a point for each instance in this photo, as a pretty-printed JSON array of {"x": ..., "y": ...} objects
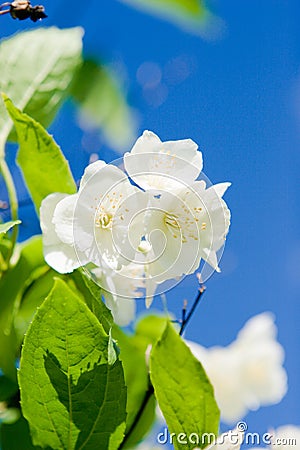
[
  {"x": 153, "y": 164},
  {"x": 184, "y": 227},
  {"x": 167, "y": 225},
  {"x": 248, "y": 373},
  {"x": 94, "y": 222}
]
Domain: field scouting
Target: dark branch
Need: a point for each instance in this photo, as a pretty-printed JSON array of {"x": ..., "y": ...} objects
[
  {"x": 188, "y": 317},
  {"x": 147, "y": 397}
]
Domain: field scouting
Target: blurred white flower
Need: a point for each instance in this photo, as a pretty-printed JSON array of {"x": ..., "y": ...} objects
[
  {"x": 8, "y": 415},
  {"x": 248, "y": 373},
  {"x": 286, "y": 437},
  {"x": 153, "y": 164}
]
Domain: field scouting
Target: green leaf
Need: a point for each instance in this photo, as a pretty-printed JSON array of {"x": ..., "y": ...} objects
[
  {"x": 42, "y": 163},
  {"x": 91, "y": 294},
  {"x": 133, "y": 350},
  {"x": 36, "y": 69},
  {"x": 103, "y": 104},
  {"x": 5, "y": 227},
  {"x": 132, "y": 355},
  {"x": 32, "y": 298},
  {"x": 81, "y": 284},
  {"x": 12, "y": 285},
  {"x": 183, "y": 390},
  {"x": 151, "y": 327},
  {"x": 5, "y": 246},
  {"x": 70, "y": 394},
  {"x": 189, "y": 14}
]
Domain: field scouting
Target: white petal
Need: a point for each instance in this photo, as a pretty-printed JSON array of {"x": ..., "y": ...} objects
[
  {"x": 210, "y": 256},
  {"x": 148, "y": 142},
  {"x": 47, "y": 208},
  {"x": 63, "y": 218},
  {"x": 220, "y": 188},
  {"x": 123, "y": 310},
  {"x": 188, "y": 150},
  {"x": 91, "y": 170},
  {"x": 102, "y": 191},
  {"x": 60, "y": 256},
  {"x": 165, "y": 166}
]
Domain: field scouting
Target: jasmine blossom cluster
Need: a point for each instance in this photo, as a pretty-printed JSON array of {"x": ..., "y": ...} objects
[{"x": 139, "y": 227}]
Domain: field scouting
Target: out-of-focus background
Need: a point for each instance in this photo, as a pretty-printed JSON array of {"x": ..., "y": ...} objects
[{"x": 234, "y": 87}]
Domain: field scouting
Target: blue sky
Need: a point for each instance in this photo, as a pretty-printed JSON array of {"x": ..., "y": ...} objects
[{"x": 238, "y": 97}]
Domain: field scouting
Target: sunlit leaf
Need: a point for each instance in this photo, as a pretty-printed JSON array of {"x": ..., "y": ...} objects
[
  {"x": 92, "y": 295},
  {"x": 151, "y": 327},
  {"x": 183, "y": 391},
  {"x": 44, "y": 167},
  {"x": 5, "y": 227},
  {"x": 190, "y": 14},
  {"x": 36, "y": 69},
  {"x": 103, "y": 104},
  {"x": 73, "y": 395},
  {"x": 81, "y": 284}
]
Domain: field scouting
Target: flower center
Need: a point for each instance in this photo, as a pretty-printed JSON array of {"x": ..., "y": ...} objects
[{"x": 104, "y": 220}]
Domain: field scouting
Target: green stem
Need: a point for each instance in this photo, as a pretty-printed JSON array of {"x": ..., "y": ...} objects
[{"x": 13, "y": 201}]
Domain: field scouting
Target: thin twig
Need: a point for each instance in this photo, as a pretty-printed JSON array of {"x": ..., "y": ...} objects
[
  {"x": 184, "y": 308},
  {"x": 192, "y": 310}
]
